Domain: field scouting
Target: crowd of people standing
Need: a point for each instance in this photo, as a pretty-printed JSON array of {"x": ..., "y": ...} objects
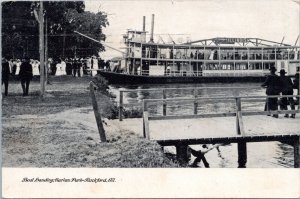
[
  {"x": 73, "y": 66},
  {"x": 27, "y": 68}
]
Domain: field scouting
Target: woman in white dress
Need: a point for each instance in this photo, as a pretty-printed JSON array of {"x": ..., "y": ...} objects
[
  {"x": 18, "y": 67},
  {"x": 35, "y": 67},
  {"x": 88, "y": 65},
  {"x": 58, "y": 69},
  {"x": 81, "y": 68},
  {"x": 63, "y": 67},
  {"x": 95, "y": 66}
]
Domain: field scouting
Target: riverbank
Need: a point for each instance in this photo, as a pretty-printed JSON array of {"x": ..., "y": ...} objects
[{"x": 57, "y": 131}]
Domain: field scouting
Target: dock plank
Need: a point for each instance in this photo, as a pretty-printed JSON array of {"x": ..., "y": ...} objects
[
  {"x": 258, "y": 125},
  {"x": 211, "y": 129}
]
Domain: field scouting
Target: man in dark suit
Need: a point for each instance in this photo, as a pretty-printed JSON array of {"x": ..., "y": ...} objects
[
  {"x": 25, "y": 75},
  {"x": 287, "y": 89},
  {"x": 273, "y": 86},
  {"x": 79, "y": 66},
  {"x": 5, "y": 75},
  {"x": 296, "y": 86},
  {"x": 74, "y": 67}
]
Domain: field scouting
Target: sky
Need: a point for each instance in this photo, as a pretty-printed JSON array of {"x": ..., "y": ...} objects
[{"x": 200, "y": 19}]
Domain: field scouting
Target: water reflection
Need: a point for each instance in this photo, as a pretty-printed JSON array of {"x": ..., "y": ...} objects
[{"x": 269, "y": 155}]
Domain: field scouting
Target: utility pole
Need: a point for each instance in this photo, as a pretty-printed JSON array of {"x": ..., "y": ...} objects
[
  {"x": 46, "y": 51},
  {"x": 64, "y": 43},
  {"x": 42, "y": 52}
]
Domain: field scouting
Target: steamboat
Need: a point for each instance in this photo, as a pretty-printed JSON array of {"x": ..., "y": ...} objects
[{"x": 220, "y": 59}]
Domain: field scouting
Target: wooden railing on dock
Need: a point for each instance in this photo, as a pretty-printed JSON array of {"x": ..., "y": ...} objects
[
  {"x": 164, "y": 91},
  {"x": 241, "y": 138}
]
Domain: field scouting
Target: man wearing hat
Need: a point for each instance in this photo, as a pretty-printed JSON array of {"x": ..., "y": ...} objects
[
  {"x": 25, "y": 75},
  {"x": 273, "y": 87},
  {"x": 296, "y": 86},
  {"x": 5, "y": 75},
  {"x": 287, "y": 89}
]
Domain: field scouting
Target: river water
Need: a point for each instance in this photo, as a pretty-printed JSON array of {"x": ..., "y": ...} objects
[{"x": 260, "y": 155}]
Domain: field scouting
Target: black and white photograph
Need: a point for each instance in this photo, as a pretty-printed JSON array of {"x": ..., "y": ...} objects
[{"x": 177, "y": 85}]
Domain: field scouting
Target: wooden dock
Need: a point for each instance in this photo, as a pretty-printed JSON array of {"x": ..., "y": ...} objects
[
  {"x": 237, "y": 126},
  {"x": 222, "y": 130},
  {"x": 234, "y": 127},
  {"x": 200, "y": 131}
]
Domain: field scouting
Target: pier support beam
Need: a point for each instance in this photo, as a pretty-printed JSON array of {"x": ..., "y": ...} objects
[
  {"x": 242, "y": 154},
  {"x": 182, "y": 153},
  {"x": 297, "y": 153}
]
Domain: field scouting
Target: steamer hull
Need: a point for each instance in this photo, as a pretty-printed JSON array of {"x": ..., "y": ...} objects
[{"x": 119, "y": 78}]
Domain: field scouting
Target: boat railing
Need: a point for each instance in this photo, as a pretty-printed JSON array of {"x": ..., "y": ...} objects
[
  {"x": 209, "y": 71},
  {"x": 234, "y": 73},
  {"x": 222, "y": 56},
  {"x": 170, "y": 73}
]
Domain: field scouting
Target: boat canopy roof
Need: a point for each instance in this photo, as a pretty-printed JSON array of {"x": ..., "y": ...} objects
[
  {"x": 193, "y": 46},
  {"x": 237, "y": 41},
  {"x": 222, "y": 42}
]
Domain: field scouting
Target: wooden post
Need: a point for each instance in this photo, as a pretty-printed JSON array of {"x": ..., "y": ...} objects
[
  {"x": 240, "y": 124},
  {"x": 146, "y": 125},
  {"x": 164, "y": 103},
  {"x": 181, "y": 153},
  {"x": 195, "y": 103},
  {"x": 238, "y": 109},
  {"x": 42, "y": 52},
  {"x": 97, "y": 114},
  {"x": 297, "y": 153},
  {"x": 46, "y": 52},
  {"x": 64, "y": 43},
  {"x": 145, "y": 109},
  {"x": 121, "y": 106},
  {"x": 242, "y": 154}
]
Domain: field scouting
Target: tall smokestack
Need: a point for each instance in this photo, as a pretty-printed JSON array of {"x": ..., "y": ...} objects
[
  {"x": 144, "y": 23},
  {"x": 152, "y": 28}
]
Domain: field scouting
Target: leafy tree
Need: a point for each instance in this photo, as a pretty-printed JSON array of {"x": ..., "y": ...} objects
[
  {"x": 90, "y": 24},
  {"x": 20, "y": 29}
]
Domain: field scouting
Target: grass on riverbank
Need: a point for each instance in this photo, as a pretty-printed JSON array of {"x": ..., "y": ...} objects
[{"x": 37, "y": 133}]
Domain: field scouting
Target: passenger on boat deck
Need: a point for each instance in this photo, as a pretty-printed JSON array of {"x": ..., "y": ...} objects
[
  {"x": 287, "y": 89},
  {"x": 273, "y": 86}
]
